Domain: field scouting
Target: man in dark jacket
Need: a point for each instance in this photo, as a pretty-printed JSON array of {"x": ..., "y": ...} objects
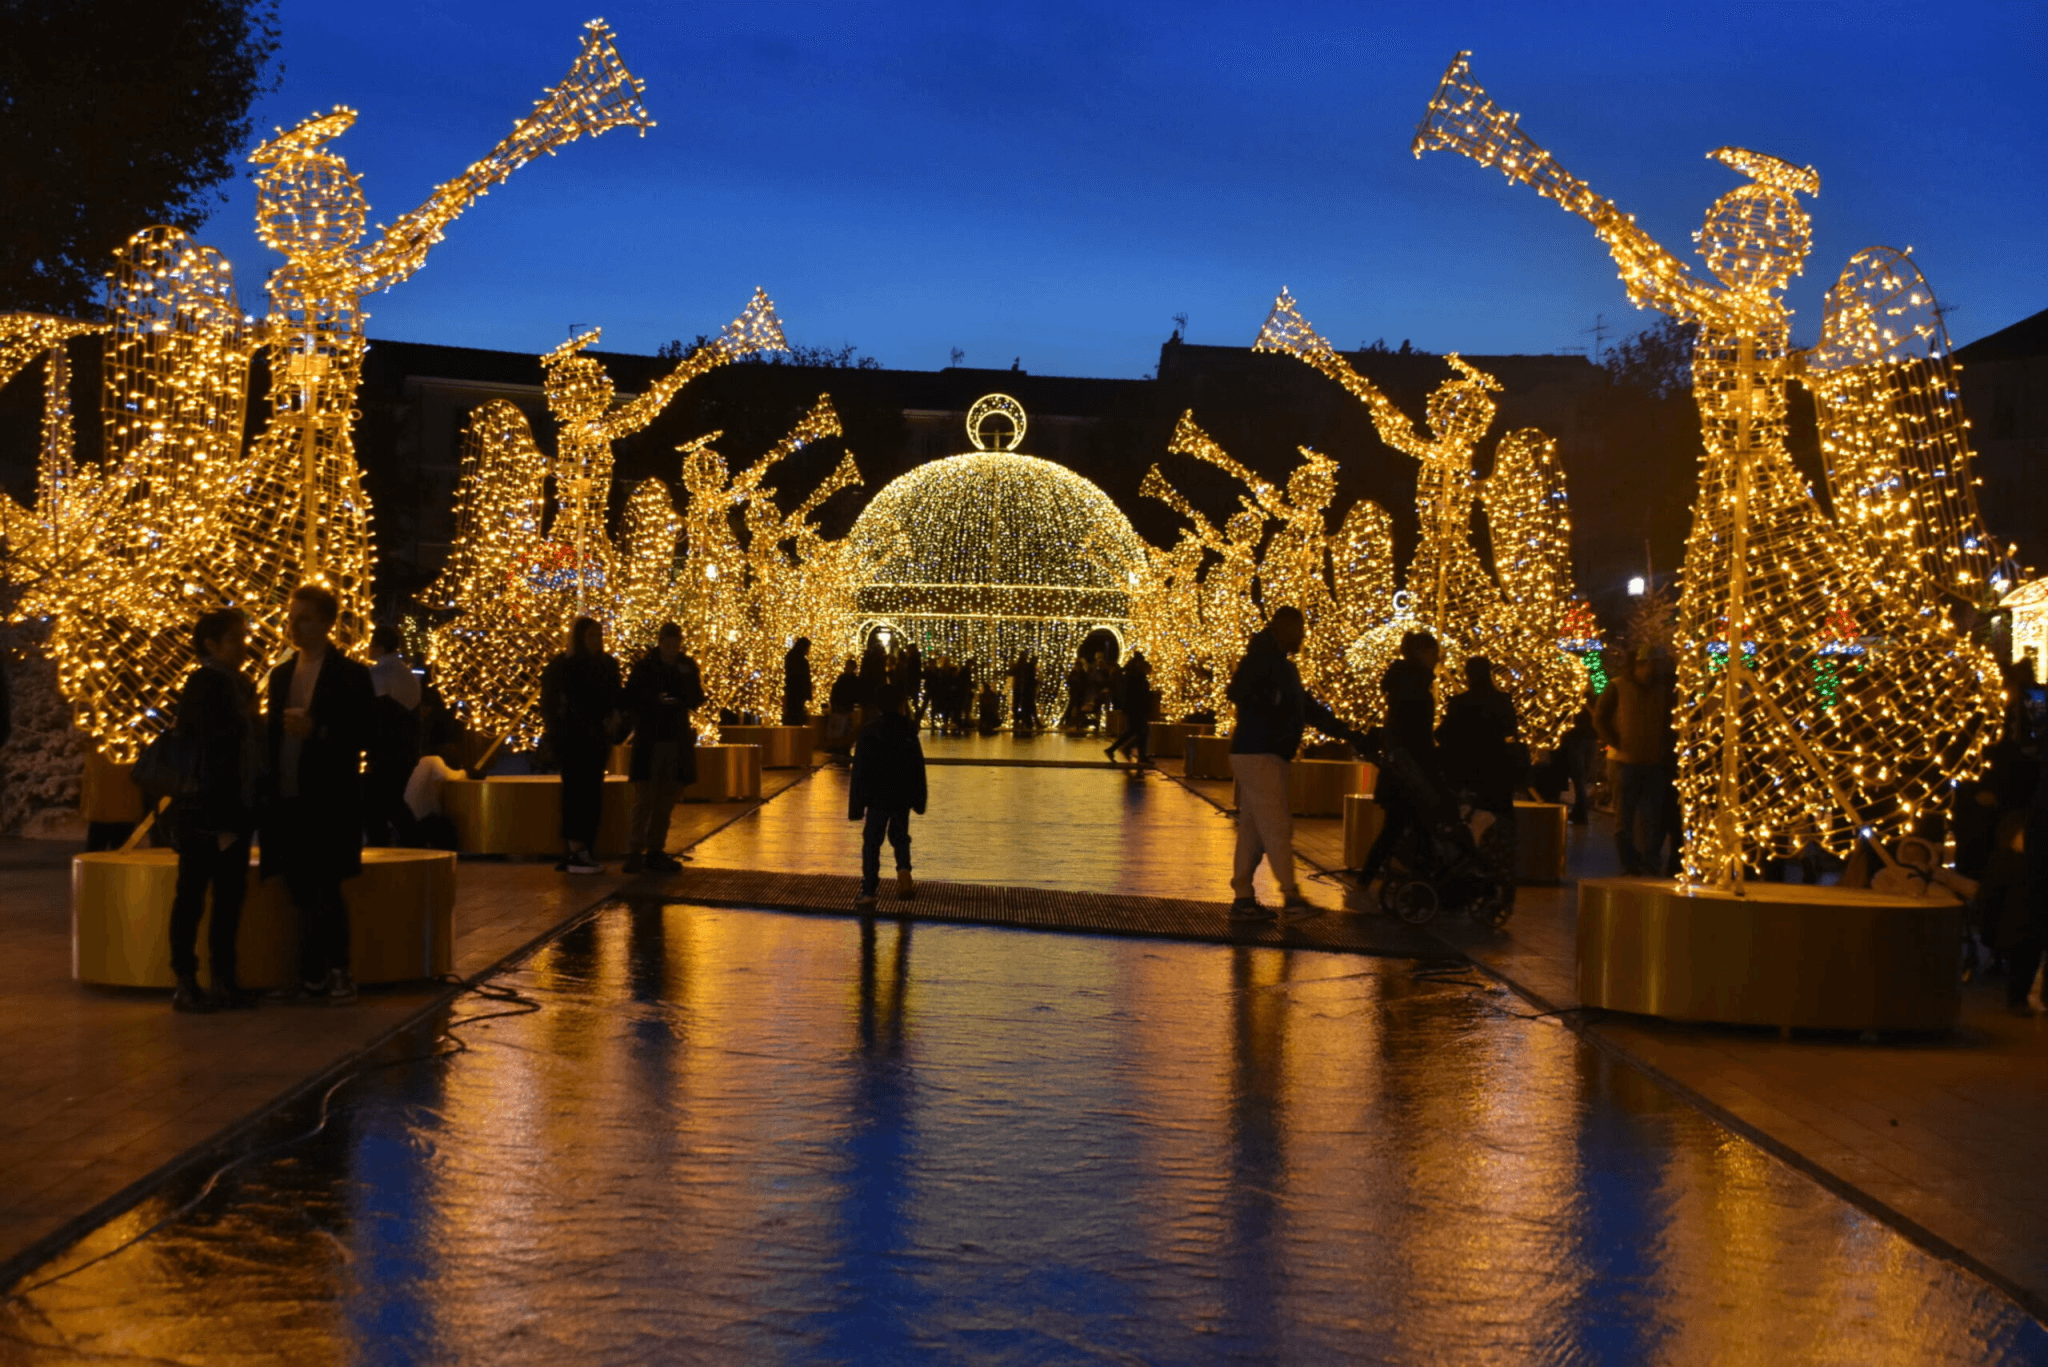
[
  {"x": 317, "y": 724},
  {"x": 910, "y": 673},
  {"x": 1024, "y": 693},
  {"x": 797, "y": 690},
  {"x": 1476, "y": 742},
  {"x": 580, "y": 695},
  {"x": 1273, "y": 709},
  {"x": 1137, "y": 686},
  {"x": 213, "y": 824},
  {"x": 661, "y": 693},
  {"x": 888, "y": 785}
]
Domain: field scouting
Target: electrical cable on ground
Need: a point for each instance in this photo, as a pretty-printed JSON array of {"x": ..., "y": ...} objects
[{"x": 521, "y": 1006}]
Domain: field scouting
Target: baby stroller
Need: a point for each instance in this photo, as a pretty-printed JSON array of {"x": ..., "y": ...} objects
[{"x": 1439, "y": 862}]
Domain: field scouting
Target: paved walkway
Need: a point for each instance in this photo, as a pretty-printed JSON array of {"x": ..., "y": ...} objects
[{"x": 1941, "y": 1139}]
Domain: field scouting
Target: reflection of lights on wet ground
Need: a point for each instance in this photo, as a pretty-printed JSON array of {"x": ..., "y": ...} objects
[{"x": 749, "y": 1136}]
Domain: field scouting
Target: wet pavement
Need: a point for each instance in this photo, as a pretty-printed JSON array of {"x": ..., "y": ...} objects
[
  {"x": 718, "y": 1135},
  {"x": 1129, "y": 831}
]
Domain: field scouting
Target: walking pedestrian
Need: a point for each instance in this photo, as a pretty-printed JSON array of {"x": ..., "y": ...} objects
[
  {"x": 1633, "y": 718},
  {"x": 318, "y": 720},
  {"x": 1409, "y": 690},
  {"x": 1137, "y": 685},
  {"x": 797, "y": 691},
  {"x": 1273, "y": 709},
  {"x": 580, "y": 695},
  {"x": 394, "y": 740},
  {"x": 661, "y": 693},
  {"x": 888, "y": 785},
  {"x": 217, "y": 717}
]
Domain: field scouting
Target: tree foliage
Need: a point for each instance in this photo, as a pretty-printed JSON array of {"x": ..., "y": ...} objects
[
  {"x": 116, "y": 115},
  {"x": 847, "y": 357},
  {"x": 1657, "y": 360}
]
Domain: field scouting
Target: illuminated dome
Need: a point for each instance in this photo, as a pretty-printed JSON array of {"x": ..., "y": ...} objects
[{"x": 991, "y": 553}]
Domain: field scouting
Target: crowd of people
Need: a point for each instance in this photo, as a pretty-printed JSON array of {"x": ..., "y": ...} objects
[{"x": 315, "y": 763}]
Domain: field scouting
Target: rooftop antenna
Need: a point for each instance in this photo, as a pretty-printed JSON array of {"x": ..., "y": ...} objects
[
  {"x": 958, "y": 356},
  {"x": 1598, "y": 332},
  {"x": 1180, "y": 326}
]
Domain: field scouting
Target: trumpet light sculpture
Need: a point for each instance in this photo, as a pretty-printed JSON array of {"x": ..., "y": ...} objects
[{"x": 1779, "y": 743}]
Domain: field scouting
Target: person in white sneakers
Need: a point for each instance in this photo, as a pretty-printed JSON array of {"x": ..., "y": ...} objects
[{"x": 1273, "y": 709}]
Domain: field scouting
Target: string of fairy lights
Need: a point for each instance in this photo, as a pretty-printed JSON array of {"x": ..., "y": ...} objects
[
  {"x": 741, "y": 602},
  {"x": 1779, "y": 744}
]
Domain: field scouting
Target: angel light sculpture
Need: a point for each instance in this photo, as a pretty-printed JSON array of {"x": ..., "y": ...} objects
[
  {"x": 1226, "y": 610},
  {"x": 515, "y": 577},
  {"x": 120, "y": 554},
  {"x": 1774, "y": 747},
  {"x": 302, "y": 515},
  {"x": 1166, "y": 623},
  {"x": 178, "y": 516},
  {"x": 741, "y": 603},
  {"x": 1512, "y": 615}
]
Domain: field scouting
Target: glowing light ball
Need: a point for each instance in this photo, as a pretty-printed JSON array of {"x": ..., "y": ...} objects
[{"x": 993, "y": 553}]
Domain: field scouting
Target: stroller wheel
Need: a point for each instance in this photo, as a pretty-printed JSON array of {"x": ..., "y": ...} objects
[
  {"x": 1493, "y": 909},
  {"x": 1412, "y": 900}
]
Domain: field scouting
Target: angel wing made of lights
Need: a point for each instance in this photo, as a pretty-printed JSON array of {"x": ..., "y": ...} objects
[
  {"x": 500, "y": 579},
  {"x": 1899, "y": 463}
]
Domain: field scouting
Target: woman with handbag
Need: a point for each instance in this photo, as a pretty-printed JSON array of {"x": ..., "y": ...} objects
[
  {"x": 580, "y": 695},
  {"x": 215, "y": 815}
]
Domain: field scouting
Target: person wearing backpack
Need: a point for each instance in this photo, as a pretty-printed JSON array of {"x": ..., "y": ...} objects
[{"x": 214, "y": 819}]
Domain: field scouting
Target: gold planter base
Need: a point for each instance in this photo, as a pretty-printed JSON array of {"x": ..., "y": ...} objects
[
  {"x": 1540, "y": 829},
  {"x": 521, "y": 814},
  {"x": 1789, "y": 955},
  {"x": 1207, "y": 756},
  {"x": 1318, "y": 787},
  {"x": 401, "y": 910},
  {"x": 782, "y": 747},
  {"x": 726, "y": 773},
  {"x": 1171, "y": 737}
]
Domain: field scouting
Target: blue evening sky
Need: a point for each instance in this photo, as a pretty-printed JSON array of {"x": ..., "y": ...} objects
[{"x": 1053, "y": 182}]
